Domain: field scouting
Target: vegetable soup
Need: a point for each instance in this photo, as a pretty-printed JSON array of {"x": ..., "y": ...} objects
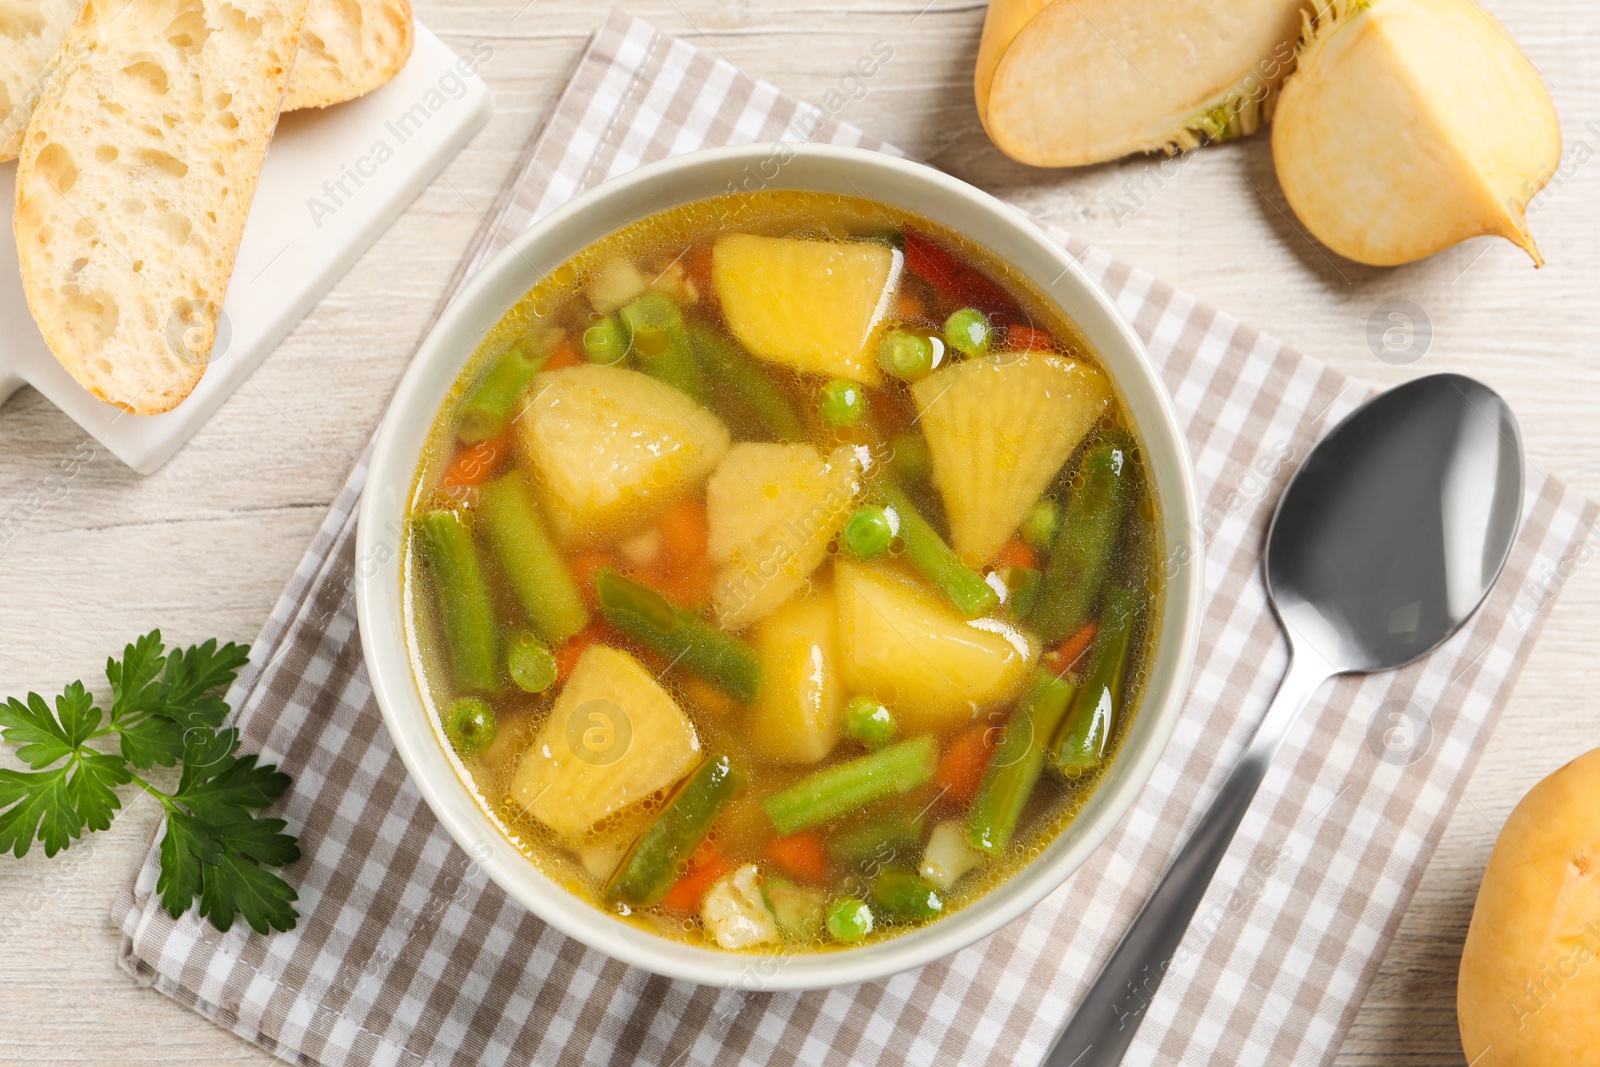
[{"x": 780, "y": 572}]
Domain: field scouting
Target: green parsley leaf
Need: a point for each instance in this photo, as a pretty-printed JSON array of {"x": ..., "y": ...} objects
[
  {"x": 93, "y": 788},
  {"x": 136, "y": 689},
  {"x": 43, "y": 738},
  {"x": 55, "y": 804},
  {"x": 158, "y": 696},
  {"x": 166, "y": 708},
  {"x": 156, "y": 741},
  {"x": 186, "y": 844},
  {"x": 218, "y": 786},
  {"x": 226, "y": 866},
  {"x": 239, "y": 884},
  {"x": 44, "y": 809},
  {"x": 193, "y": 676}
]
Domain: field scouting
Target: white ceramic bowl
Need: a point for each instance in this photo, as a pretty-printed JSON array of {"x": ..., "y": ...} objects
[{"x": 547, "y": 244}]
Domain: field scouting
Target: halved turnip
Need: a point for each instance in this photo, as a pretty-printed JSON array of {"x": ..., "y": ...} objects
[
  {"x": 1411, "y": 125},
  {"x": 1062, "y": 83}
]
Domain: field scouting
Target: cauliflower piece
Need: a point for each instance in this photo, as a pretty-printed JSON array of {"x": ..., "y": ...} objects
[{"x": 735, "y": 913}]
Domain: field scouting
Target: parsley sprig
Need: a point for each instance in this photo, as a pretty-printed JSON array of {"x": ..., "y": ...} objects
[{"x": 166, "y": 711}]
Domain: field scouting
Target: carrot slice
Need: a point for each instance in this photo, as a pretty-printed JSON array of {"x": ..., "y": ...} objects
[
  {"x": 476, "y": 463},
  {"x": 1029, "y": 338},
  {"x": 567, "y": 655},
  {"x": 801, "y": 855},
  {"x": 705, "y": 867},
  {"x": 697, "y": 265},
  {"x": 683, "y": 569},
  {"x": 565, "y": 354},
  {"x": 1066, "y": 655},
  {"x": 584, "y": 566},
  {"x": 961, "y": 768},
  {"x": 907, "y": 306},
  {"x": 1016, "y": 553}
]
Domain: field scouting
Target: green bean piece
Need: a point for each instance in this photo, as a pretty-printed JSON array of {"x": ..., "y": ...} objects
[
  {"x": 1081, "y": 558},
  {"x": 841, "y": 403},
  {"x": 657, "y": 859},
  {"x": 867, "y": 533},
  {"x": 869, "y": 722},
  {"x": 840, "y": 789},
  {"x": 532, "y": 563},
  {"x": 893, "y": 839},
  {"x": 800, "y": 911},
  {"x": 470, "y": 725},
  {"x": 754, "y": 406},
  {"x": 606, "y": 342},
  {"x": 660, "y": 342},
  {"x": 1040, "y": 527},
  {"x": 968, "y": 332},
  {"x": 463, "y": 596},
  {"x": 531, "y": 664},
  {"x": 908, "y": 356},
  {"x": 1016, "y": 763},
  {"x": 1099, "y": 701},
  {"x": 486, "y": 408},
  {"x": 683, "y": 637},
  {"x": 892, "y": 236},
  {"x": 904, "y": 896},
  {"x": 938, "y": 562},
  {"x": 909, "y": 459},
  {"x": 1022, "y": 589},
  {"x": 849, "y": 919}
]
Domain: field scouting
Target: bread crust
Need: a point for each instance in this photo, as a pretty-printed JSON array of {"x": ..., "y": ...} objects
[{"x": 333, "y": 66}]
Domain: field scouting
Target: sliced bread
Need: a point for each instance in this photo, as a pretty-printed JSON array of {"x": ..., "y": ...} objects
[
  {"x": 136, "y": 176},
  {"x": 347, "y": 49},
  {"x": 30, "y": 33}
]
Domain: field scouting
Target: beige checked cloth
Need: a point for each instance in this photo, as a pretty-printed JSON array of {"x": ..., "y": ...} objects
[{"x": 404, "y": 955}]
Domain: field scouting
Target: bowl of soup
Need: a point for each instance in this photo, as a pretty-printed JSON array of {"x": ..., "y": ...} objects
[{"x": 772, "y": 568}]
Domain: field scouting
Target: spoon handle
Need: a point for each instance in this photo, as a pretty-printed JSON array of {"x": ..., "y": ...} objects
[{"x": 1101, "y": 1030}]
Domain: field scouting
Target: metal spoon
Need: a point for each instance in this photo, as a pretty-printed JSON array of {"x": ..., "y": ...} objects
[{"x": 1386, "y": 540}]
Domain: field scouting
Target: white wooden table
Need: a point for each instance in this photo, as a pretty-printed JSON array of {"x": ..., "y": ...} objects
[{"x": 204, "y": 546}]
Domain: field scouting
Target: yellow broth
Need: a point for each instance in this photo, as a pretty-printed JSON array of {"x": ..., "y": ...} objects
[{"x": 676, "y": 253}]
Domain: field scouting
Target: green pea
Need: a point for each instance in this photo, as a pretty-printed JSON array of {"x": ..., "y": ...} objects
[
  {"x": 849, "y": 919},
  {"x": 868, "y": 533},
  {"x": 531, "y": 664},
  {"x": 841, "y": 403},
  {"x": 968, "y": 332},
  {"x": 869, "y": 722},
  {"x": 910, "y": 356},
  {"x": 1040, "y": 526},
  {"x": 470, "y": 725}
]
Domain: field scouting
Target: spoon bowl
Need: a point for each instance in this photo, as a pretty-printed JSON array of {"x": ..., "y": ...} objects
[
  {"x": 1398, "y": 523},
  {"x": 1384, "y": 543}
]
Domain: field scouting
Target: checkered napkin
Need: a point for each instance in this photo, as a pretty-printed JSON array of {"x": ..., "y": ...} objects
[{"x": 405, "y": 955}]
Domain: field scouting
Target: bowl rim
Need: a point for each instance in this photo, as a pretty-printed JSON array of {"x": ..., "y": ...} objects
[{"x": 451, "y": 341}]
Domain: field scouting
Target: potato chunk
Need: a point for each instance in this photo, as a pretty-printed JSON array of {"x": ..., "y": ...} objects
[
  {"x": 797, "y": 718},
  {"x": 908, "y": 648},
  {"x": 612, "y": 447},
  {"x": 772, "y": 510},
  {"x": 613, "y": 738},
  {"x": 811, "y": 305},
  {"x": 998, "y": 429}
]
